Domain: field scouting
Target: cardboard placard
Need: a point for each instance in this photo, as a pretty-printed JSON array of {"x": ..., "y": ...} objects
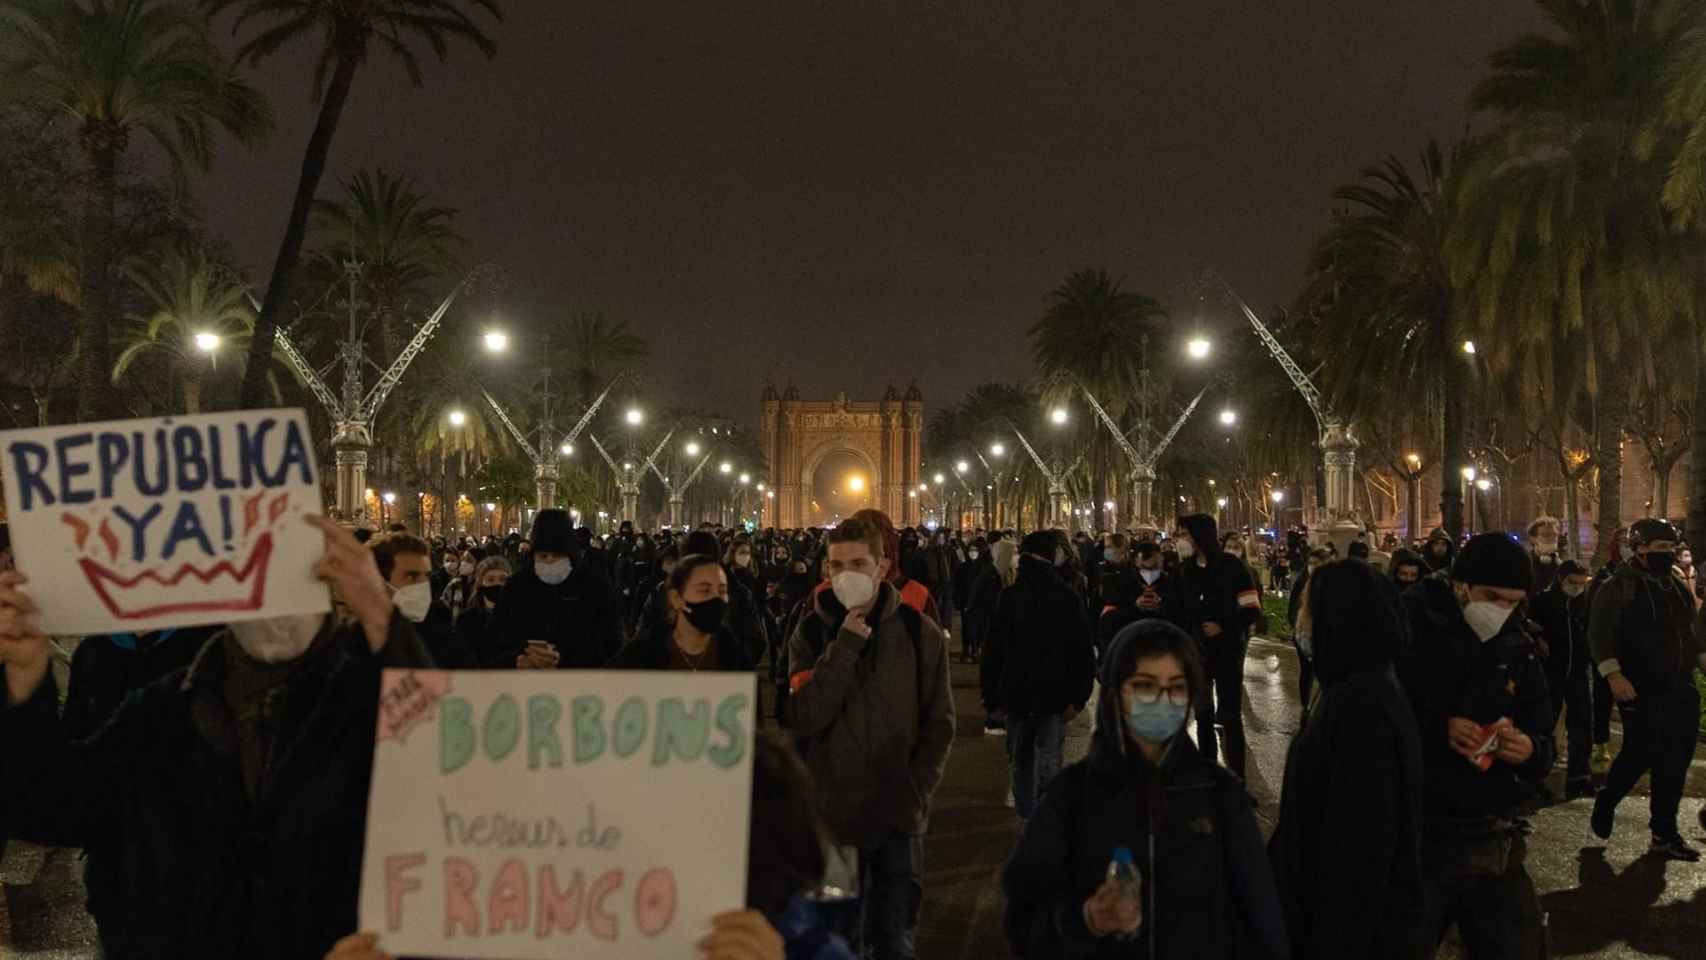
[
  {"x": 540, "y": 814},
  {"x": 136, "y": 525}
]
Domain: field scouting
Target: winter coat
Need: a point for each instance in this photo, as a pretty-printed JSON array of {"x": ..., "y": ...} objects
[
  {"x": 1118, "y": 618},
  {"x": 966, "y": 577},
  {"x": 650, "y": 651},
  {"x": 1646, "y": 628},
  {"x": 1219, "y": 589},
  {"x": 1208, "y": 891},
  {"x": 1448, "y": 672},
  {"x": 874, "y": 716},
  {"x": 105, "y": 669},
  {"x": 1037, "y": 658},
  {"x": 476, "y": 633},
  {"x": 1347, "y": 850},
  {"x": 205, "y": 871},
  {"x": 1564, "y": 626},
  {"x": 579, "y": 617}
]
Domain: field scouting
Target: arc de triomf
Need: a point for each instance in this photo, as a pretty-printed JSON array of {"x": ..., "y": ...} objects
[{"x": 887, "y": 436}]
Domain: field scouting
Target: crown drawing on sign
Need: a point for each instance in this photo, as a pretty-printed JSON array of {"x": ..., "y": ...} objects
[{"x": 218, "y": 586}]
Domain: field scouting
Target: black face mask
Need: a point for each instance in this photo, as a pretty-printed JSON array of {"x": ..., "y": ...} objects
[
  {"x": 1659, "y": 564},
  {"x": 491, "y": 592},
  {"x": 707, "y": 617}
]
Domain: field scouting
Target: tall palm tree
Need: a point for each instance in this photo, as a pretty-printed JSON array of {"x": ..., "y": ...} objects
[
  {"x": 113, "y": 68},
  {"x": 191, "y": 298},
  {"x": 598, "y": 349},
  {"x": 346, "y": 33},
  {"x": 402, "y": 239},
  {"x": 1096, "y": 334},
  {"x": 1384, "y": 300}
]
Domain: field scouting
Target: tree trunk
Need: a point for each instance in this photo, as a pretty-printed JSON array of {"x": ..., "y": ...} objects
[
  {"x": 1455, "y": 459},
  {"x": 1697, "y": 464},
  {"x": 253, "y": 392},
  {"x": 103, "y": 143},
  {"x": 1573, "y": 514},
  {"x": 1414, "y": 524},
  {"x": 192, "y": 394},
  {"x": 1613, "y": 412},
  {"x": 1661, "y": 486}
]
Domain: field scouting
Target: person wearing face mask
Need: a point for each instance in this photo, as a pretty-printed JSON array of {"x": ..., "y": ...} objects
[
  {"x": 1476, "y": 685},
  {"x": 405, "y": 563},
  {"x": 1206, "y": 888},
  {"x": 459, "y": 592},
  {"x": 1562, "y": 613},
  {"x": 1406, "y": 569},
  {"x": 870, "y": 702},
  {"x": 1543, "y": 552},
  {"x": 1148, "y": 596},
  {"x": 1440, "y": 551},
  {"x": 1648, "y": 638},
  {"x": 1038, "y": 665},
  {"x": 1294, "y": 613},
  {"x": 1219, "y": 603},
  {"x": 1347, "y": 848},
  {"x": 977, "y": 565},
  {"x": 230, "y": 795},
  {"x": 474, "y": 631},
  {"x": 696, "y": 635},
  {"x": 560, "y": 614},
  {"x": 1600, "y": 761}
]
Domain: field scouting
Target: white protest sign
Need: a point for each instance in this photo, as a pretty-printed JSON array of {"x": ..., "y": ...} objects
[
  {"x": 135, "y": 525},
  {"x": 541, "y": 814}
]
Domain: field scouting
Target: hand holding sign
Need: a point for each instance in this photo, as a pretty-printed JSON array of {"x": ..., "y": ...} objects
[
  {"x": 351, "y": 570},
  {"x": 358, "y": 946},
  {"x": 23, "y": 646}
]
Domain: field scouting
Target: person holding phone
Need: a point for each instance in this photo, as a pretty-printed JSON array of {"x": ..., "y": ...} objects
[{"x": 562, "y": 613}]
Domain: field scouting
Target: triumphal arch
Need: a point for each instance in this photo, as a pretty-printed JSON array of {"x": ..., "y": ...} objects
[{"x": 883, "y": 441}]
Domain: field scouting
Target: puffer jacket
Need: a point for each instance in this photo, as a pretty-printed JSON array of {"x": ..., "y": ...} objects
[{"x": 1038, "y": 657}]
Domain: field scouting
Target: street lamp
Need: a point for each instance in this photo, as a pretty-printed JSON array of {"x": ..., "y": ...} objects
[
  {"x": 997, "y": 450},
  {"x": 940, "y": 479},
  {"x": 725, "y": 467},
  {"x": 1228, "y": 417},
  {"x": 207, "y": 342},
  {"x": 746, "y": 478},
  {"x": 1220, "y": 502},
  {"x": 458, "y": 418},
  {"x": 568, "y": 449},
  {"x": 1483, "y": 484},
  {"x": 961, "y": 467},
  {"x": 389, "y": 497},
  {"x": 1469, "y": 474},
  {"x": 1058, "y": 416},
  {"x": 635, "y": 417},
  {"x": 856, "y": 483},
  {"x": 1198, "y": 348},
  {"x": 693, "y": 449},
  {"x": 496, "y": 341},
  {"x": 1469, "y": 347},
  {"x": 1278, "y": 496}
]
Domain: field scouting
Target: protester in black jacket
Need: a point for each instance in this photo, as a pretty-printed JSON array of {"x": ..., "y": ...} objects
[
  {"x": 1038, "y": 666},
  {"x": 1347, "y": 848},
  {"x": 695, "y": 635},
  {"x": 1149, "y": 595},
  {"x": 1207, "y": 890},
  {"x": 476, "y": 629},
  {"x": 1562, "y": 613},
  {"x": 233, "y": 836},
  {"x": 1218, "y": 604},
  {"x": 560, "y": 613}
]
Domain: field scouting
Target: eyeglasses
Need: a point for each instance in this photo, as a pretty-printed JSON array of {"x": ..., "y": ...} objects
[{"x": 1179, "y": 694}]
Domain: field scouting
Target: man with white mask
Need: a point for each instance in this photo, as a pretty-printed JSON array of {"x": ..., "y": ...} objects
[
  {"x": 405, "y": 561},
  {"x": 233, "y": 793},
  {"x": 562, "y": 613},
  {"x": 870, "y": 703}
]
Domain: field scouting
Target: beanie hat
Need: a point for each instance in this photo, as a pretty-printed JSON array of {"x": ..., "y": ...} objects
[
  {"x": 1493, "y": 560},
  {"x": 1570, "y": 568},
  {"x": 552, "y": 532},
  {"x": 1042, "y": 543}
]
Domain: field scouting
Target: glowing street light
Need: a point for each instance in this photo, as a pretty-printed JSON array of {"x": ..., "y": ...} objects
[
  {"x": 1278, "y": 496},
  {"x": 1220, "y": 502},
  {"x": 760, "y": 488},
  {"x": 1483, "y": 484},
  {"x": 1058, "y": 415},
  {"x": 458, "y": 418},
  {"x": 961, "y": 467},
  {"x": 635, "y": 417},
  {"x": 1415, "y": 460},
  {"x": 725, "y": 467},
  {"x": 997, "y": 449},
  {"x": 693, "y": 449},
  {"x": 1108, "y": 505},
  {"x": 1469, "y": 474},
  {"x": 207, "y": 342},
  {"x": 496, "y": 341},
  {"x": 389, "y": 497},
  {"x": 746, "y": 478},
  {"x": 770, "y": 493},
  {"x": 1469, "y": 347},
  {"x": 1228, "y": 417},
  {"x": 568, "y": 449},
  {"x": 940, "y": 479},
  {"x": 1198, "y": 348}
]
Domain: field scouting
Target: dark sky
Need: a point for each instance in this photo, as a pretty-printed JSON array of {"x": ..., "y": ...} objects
[{"x": 848, "y": 194}]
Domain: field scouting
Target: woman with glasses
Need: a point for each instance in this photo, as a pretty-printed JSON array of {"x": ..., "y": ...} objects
[
  {"x": 1204, "y": 887},
  {"x": 1347, "y": 850}
]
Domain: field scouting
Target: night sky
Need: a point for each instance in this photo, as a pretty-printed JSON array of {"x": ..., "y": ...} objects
[{"x": 849, "y": 194}]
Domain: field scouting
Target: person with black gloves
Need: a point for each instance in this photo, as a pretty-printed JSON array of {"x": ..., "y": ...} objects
[
  {"x": 1561, "y": 610},
  {"x": 1647, "y": 639},
  {"x": 1219, "y": 603},
  {"x": 1038, "y": 667},
  {"x": 562, "y": 613},
  {"x": 1475, "y": 683}
]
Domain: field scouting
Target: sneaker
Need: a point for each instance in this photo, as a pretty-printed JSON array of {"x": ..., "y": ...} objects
[
  {"x": 1578, "y": 789},
  {"x": 1600, "y": 761},
  {"x": 991, "y": 730},
  {"x": 1673, "y": 848},
  {"x": 1604, "y": 817},
  {"x": 1010, "y": 801}
]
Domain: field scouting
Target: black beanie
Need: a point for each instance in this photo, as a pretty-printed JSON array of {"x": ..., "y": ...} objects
[
  {"x": 1042, "y": 543},
  {"x": 552, "y": 532},
  {"x": 1493, "y": 560}
]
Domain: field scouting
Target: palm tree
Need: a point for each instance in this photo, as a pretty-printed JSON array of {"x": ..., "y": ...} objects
[
  {"x": 115, "y": 67},
  {"x": 196, "y": 306},
  {"x": 1097, "y": 335},
  {"x": 1383, "y": 297},
  {"x": 346, "y": 33},
  {"x": 598, "y": 349},
  {"x": 402, "y": 240}
]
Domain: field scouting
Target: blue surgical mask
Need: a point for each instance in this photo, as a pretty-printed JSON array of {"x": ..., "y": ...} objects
[{"x": 1155, "y": 722}]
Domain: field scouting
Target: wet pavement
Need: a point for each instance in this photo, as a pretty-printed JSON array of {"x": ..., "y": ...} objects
[{"x": 1603, "y": 899}]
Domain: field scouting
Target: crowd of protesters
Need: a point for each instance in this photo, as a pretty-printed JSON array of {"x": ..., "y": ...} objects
[{"x": 210, "y": 778}]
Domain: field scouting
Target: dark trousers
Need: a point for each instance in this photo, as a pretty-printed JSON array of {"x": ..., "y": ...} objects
[
  {"x": 1602, "y": 701},
  {"x": 1572, "y": 698},
  {"x": 1659, "y": 733},
  {"x": 1305, "y": 677},
  {"x": 1223, "y": 658},
  {"x": 891, "y": 884},
  {"x": 1033, "y": 758},
  {"x": 1497, "y": 916}
]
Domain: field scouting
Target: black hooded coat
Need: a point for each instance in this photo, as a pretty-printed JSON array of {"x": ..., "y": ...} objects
[{"x": 1222, "y": 592}]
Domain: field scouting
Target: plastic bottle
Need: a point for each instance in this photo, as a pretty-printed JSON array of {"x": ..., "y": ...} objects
[{"x": 1123, "y": 872}]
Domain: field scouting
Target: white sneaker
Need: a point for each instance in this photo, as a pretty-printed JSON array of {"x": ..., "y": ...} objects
[{"x": 1010, "y": 796}]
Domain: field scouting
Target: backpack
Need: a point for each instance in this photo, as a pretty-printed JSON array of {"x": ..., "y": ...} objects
[{"x": 812, "y": 628}]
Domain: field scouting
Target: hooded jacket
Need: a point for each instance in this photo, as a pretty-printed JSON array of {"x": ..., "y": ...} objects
[
  {"x": 1646, "y": 628},
  {"x": 1208, "y": 891},
  {"x": 580, "y": 617},
  {"x": 1222, "y": 591},
  {"x": 1037, "y": 656},
  {"x": 874, "y": 716}
]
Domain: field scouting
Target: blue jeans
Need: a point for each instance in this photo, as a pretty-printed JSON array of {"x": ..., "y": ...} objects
[
  {"x": 891, "y": 885},
  {"x": 1033, "y": 756}
]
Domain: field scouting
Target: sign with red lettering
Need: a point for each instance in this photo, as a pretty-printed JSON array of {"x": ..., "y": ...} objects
[
  {"x": 540, "y": 814},
  {"x": 133, "y": 525}
]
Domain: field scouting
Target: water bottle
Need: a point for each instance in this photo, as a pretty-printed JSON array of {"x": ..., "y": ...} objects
[{"x": 1122, "y": 871}]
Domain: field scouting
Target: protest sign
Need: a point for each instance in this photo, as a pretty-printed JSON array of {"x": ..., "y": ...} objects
[
  {"x": 540, "y": 814},
  {"x": 134, "y": 525}
]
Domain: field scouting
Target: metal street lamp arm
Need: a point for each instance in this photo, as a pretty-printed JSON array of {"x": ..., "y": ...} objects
[
  {"x": 1167, "y": 440},
  {"x": 533, "y": 454},
  {"x": 1299, "y": 379},
  {"x": 394, "y": 374},
  {"x": 586, "y": 417},
  {"x": 693, "y": 476},
  {"x": 1113, "y": 428},
  {"x": 652, "y": 460},
  {"x": 306, "y": 374},
  {"x": 1048, "y": 474},
  {"x": 605, "y": 454}
]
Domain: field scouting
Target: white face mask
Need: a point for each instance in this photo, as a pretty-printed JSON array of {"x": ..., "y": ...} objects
[
  {"x": 1486, "y": 618},
  {"x": 1546, "y": 547},
  {"x": 1186, "y": 549},
  {"x": 413, "y": 601},
  {"x": 1574, "y": 592},
  {"x": 279, "y": 639},
  {"x": 854, "y": 590},
  {"x": 466, "y": 569},
  {"x": 972, "y": 554},
  {"x": 1149, "y": 576},
  {"x": 554, "y": 572}
]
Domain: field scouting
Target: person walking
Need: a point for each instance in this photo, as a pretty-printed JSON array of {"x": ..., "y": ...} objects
[
  {"x": 1038, "y": 666},
  {"x": 1561, "y": 610},
  {"x": 1648, "y": 639},
  {"x": 1355, "y": 771},
  {"x": 1474, "y": 680},
  {"x": 1206, "y": 888},
  {"x": 870, "y": 703},
  {"x": 1219, "y": 603}
]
